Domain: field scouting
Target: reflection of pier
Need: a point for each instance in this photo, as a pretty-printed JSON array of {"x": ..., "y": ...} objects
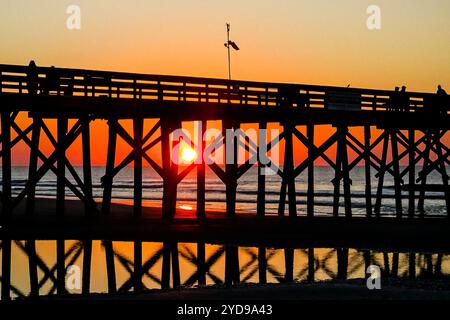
[
  {"x": 362, "y": 127},
  {"x": 411, "y": 131},
  {"x": 224, "y": 265}
]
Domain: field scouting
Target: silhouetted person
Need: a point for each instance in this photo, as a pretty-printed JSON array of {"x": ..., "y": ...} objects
[
  {"x": 32, "y": 78},
  {"x": 441, "y": 100},
  {"x": 51, "y": 82},
  {"x": 404, "y": 100}
]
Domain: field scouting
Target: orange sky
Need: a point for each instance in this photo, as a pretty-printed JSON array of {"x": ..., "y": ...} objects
[{"x": 310, "y": 41}]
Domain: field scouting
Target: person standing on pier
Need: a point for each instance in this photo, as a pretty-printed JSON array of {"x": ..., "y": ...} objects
[
  {"x": 404, "y": 100},
  {"x": 32, "y": 78},
  {"x": 394, "y": 100},
  {"x": 441, "y": 100}
]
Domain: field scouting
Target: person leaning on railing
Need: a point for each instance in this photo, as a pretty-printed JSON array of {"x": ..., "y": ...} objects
[
  {"x": 32, "y": 78},
  {"x": 442, "y": 100}
]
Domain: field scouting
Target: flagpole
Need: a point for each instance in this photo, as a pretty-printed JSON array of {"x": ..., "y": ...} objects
[{"x": 229, "y": 55}]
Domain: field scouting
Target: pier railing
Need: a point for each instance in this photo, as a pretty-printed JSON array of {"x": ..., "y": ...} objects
[{"x": 15, "y": 79}]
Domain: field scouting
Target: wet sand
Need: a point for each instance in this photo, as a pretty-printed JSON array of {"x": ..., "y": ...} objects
[{"x": 430, "y": 234}]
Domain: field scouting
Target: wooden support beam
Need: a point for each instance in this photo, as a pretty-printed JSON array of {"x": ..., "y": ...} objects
[
  {"x": 170, "y": 172},
  {"x": 445, "y": 177},
  {"x": 62, "y": 124},
  {"x": 261, "y": 195},
  {"x": 60, "y": 267},
  {"x": 412, "y": 173},
  {"x": 6, "y": 165},
  {"x": 311, "y": 265},
  {"x": 30, "y": 246},
  {"x": 368, "y": 186},
  {"x": 397, "y": 179},
  {"x": 87, "y": 258},
  {"x": 33, "y": 165},
  {"x": 176, "y": 277},
  {"x": 201, "y": 179},
  {"x": 110, "y": 161},
  {"x": 346, "y": 175},
  {"x": 342, "y": 263},
  {"x": 138, "y": 127},
  {"x": 231, "y": 158},
  {"x": 288, "y": 181},
  {"x": 311, "y": 155},
  {"x": 262, "y": 265},
  {"x": 337, "y": 173},
  {"x": 289, "y": 264},
  {"x": 381, "y": 173},
  {"x": 89, "y": 206},
  {"x": 201, "y": 263},
  {"x": 110, "y": 266},
  {"x": 137, "y": 272}
]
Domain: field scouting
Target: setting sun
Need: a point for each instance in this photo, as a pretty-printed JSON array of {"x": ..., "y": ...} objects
[{"x": 188, "y": 154}]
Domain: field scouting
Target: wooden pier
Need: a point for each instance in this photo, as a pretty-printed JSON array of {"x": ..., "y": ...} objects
[{"x": 410, "y": 130}]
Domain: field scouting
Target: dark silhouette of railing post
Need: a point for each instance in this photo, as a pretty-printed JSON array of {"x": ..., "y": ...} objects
[
  {"x": 201, "y": 266},
  {"x": 32, "y": 266},
  {"x": 342, "y": 173},
  {"x": 60, "y": 267},
  {"x": 397, "y": 178},
  {"x": 137, "y": 272},
  {"x": 262, "y": 265},
  {"x": 230, "y": 130},
  {"x": 289, "y": 265},
  {"x": 381, "y": 173}
]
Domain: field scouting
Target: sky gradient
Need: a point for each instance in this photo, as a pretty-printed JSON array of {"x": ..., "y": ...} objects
[{"x": 311, "y": 41}]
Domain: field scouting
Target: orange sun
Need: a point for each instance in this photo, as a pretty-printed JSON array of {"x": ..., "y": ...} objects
[{"x": 188, "y": 155}]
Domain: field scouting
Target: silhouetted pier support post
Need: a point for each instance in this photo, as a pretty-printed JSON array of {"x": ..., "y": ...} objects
[
  {"x": 262, "y": 265},
  {"x": 289, "y": 265},
  {"x": 109, "y": 170},
  {"x": 32, "y": 266},
  {"x": 232, "y": 270},
  {"x": 201, "y": 263},
  {"x": 311, "y": 157},
  {"x": 381, "y": 173},
  {"x": 288, "y": 181},
  {"x": 87, "y": 167},
  {"x": 342, "y": 172},
  {"x": 33, "y": 164},
  {"x": 62, "y": 124},
  {"x": 110, "y": 266},
  {"x": 367, "y": 164},
  {"x": 60, "y": 267},
  {"x": 6, "y": 269},
  {"x": 412, "y": 265},
  {"x": 230, "y": 129},
  {"x": 87, "y": 258},
  {"x": 201, "y": 180},
  {"x": 170, "y": 259},
  {"x": 137, "y": 272},
  {"x": 170, "y": 170},
  {"x": 412, "y": 173},
  {"x": 342, "y": 263},
  {"x": 6, "y": 164},
  {"x": 397, "y": 178},
  {"x": 311, "y": 265},
  {"x": 261, "y": 196},
  {"x": 138, "y": 127},
  {"x": 442, "y": 168}
]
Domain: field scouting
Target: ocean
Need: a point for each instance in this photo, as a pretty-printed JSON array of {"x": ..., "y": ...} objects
[{"x": 247, "y": 190}]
